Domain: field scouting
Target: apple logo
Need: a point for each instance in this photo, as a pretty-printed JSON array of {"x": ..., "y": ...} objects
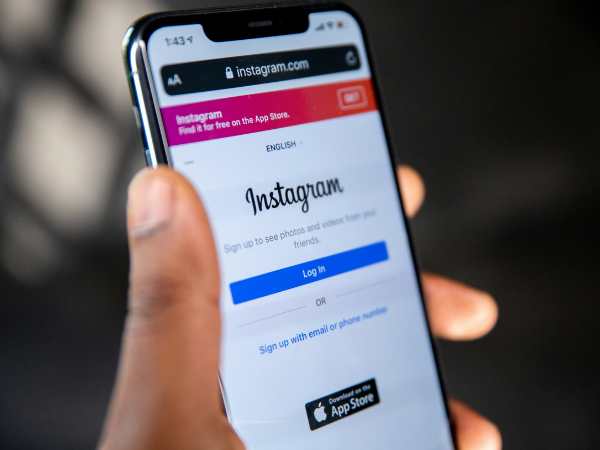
[{"x": 320, "y": 413}]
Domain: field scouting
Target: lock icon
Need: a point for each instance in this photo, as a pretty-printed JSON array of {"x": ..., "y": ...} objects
[{"x": 228, "y": 73}]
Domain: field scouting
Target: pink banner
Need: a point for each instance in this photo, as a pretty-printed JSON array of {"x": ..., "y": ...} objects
[{"x": 235, "y": 116}]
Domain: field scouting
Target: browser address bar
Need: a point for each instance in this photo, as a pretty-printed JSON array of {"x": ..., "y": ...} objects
[{"x": 226, "y": 73}]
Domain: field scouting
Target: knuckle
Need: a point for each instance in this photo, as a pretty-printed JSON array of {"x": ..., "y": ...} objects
[
  {"x": 152, "y": 295},
  {"x": 158, "y": 297}
]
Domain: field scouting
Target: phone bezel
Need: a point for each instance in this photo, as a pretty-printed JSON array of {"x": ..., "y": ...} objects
[{"x": 150, "y": 125}]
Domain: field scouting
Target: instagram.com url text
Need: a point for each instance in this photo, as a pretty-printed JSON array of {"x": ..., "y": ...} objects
[{"x": 267, "y": 69}]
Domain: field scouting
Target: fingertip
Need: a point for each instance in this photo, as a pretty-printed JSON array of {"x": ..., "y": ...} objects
[
  {"x": 147, "y": 173},
  {"x": 479, "y": 315},
  {"x": 473, "y": 431},
  {"x": 412, "y": 189},
  {"x": 457, "y": 311},
  {"x": 150, "y": 204},
  {"x": 487, "y": 311},
  {"x": 161, "y": 191}
]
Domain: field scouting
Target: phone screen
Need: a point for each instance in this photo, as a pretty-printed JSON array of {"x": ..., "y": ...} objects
[{"x": 325, "y": 340}]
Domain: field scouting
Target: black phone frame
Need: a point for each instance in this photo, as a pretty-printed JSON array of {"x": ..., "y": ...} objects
[{"x": 151, "y": 129}]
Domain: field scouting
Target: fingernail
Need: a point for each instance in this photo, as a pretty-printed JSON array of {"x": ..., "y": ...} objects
[{"x": 150, "y": 205}]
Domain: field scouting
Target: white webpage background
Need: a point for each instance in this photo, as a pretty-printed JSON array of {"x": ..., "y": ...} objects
[{"x": 267, "y": 392}]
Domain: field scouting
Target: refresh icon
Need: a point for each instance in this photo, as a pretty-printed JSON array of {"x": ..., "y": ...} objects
[{"x": 351, "y": 58}]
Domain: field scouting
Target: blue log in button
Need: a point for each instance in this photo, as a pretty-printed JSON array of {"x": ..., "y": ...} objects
[{"x": 308, "y": 272}]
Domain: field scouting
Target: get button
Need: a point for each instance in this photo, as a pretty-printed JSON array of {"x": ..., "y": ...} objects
[{"x": 352, "y": 97}]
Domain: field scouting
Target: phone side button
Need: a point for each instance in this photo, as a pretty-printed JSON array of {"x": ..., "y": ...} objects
[
  {"x": 138, "y": 120},
  {"x": 148, "y": 157}
]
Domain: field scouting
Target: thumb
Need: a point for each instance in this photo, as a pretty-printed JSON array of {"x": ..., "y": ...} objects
[{"x": 167, "y": 392}]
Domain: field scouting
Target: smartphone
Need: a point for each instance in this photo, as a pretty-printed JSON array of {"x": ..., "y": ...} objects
[{"x": 274, "y": 115}]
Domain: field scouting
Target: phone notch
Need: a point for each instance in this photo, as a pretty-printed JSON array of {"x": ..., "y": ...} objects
[{"x": 255, "y": 24}]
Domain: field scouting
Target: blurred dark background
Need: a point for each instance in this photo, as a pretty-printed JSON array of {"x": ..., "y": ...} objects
[{"x": 497, "y": 104}]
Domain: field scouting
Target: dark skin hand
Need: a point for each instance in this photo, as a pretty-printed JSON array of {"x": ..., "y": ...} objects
[{"x": 167, "y": 394}]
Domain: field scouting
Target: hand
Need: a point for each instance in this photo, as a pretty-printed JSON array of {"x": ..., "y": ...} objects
[
  {"x": 167, "y": 393},
  {"x": 456, "y": 312}
]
